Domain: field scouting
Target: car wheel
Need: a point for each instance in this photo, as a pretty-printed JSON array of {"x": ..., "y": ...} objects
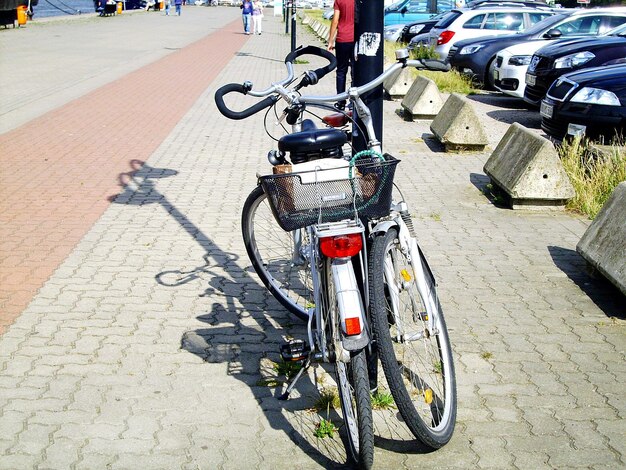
[{"x": 489, "y": 81}]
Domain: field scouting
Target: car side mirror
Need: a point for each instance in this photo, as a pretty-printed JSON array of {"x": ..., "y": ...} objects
[
  {"x": 404, "y": 10},
  {"x": 552, "y": 34}
]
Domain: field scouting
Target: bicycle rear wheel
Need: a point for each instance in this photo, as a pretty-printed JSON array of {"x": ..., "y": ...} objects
[
  {"x": 352, "y": 382},
  {"x": 417, "y": 360},
  {"x": 286, "y": 274}
]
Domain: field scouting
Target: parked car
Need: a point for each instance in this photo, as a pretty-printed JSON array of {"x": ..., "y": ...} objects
[
  {"x": 408, "y": 11},
  {"x": 591, "y": 101},
  {"x": 476, "y": 57},
  {"x": 481, "y": 20},
  {"x": 561, "y": 57},
  {"x": 510, "y": 65},
  {"x": 392, "y": 32},
  {"x": 410, "y": 30}
]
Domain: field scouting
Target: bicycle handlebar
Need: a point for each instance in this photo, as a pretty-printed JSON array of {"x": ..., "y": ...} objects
[
  {"x": 243, "y": 89},
  {"x": 311, "y": 77}
]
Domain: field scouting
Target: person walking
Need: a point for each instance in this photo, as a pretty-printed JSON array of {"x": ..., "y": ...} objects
[
  {"x": 341, "y": 40},
  {"x": 257, "y": 16},
  {"x": 168, "y": 4},
  {"x": 246, "y": 13},
  {"x": 178, "y": 5}
]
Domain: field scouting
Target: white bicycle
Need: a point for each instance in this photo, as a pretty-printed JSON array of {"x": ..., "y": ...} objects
[{"x": 289, "y": 222}]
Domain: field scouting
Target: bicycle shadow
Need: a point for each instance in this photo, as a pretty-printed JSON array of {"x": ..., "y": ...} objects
[{"x": 239, "y": 332}]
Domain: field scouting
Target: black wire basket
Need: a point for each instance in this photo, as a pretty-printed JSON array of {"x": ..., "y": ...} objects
[{"x": 330, "y": 195}]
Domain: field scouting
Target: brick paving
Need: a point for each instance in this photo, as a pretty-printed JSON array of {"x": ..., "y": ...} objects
[{"x": 146, "y": 345}]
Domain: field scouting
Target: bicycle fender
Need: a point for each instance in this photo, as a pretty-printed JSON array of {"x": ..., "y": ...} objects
[
  {"x": 383, "y": 227},
  {"x": 350, "y": 305}
]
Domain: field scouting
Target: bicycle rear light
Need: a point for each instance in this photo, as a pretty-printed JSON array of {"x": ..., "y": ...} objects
[
  {"x": 445, "y": 37},
  {"x": 352, "y": 326},
  {"x": 341, "y": 246}
]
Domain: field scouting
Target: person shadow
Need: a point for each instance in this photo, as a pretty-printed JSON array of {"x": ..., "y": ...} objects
[{"x": 243, "y": 330}]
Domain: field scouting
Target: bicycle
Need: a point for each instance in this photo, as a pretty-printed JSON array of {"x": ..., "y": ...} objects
[{"x": 294, "y": 274}]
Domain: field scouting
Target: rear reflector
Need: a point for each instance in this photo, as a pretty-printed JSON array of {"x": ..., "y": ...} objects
[{"x": 353, "y": 326}]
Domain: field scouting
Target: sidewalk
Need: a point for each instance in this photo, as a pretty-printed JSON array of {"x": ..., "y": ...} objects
[{"x": 145, "y": 344}]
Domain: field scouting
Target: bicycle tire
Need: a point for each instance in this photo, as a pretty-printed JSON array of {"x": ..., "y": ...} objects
[
  {"x": 270, "y": 250},
  {"x": 419, "y": 371},
  {"x": 354, "y": 394}
]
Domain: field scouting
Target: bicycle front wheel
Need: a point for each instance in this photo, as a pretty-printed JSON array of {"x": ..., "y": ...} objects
[
  {"x": 275, "y": 255},
  {"x": 416, "y": 358}
]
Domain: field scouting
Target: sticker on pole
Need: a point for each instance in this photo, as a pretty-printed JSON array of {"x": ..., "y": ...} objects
[{"x": 368, "y": 44}]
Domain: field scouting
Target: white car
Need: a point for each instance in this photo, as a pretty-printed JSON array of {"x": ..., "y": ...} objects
[
  {"x": 483, "y": 20},
  {"x": 511, "y": 64}
]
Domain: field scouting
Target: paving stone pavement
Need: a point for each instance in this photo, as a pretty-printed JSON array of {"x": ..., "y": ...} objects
[{"x": 145, "y": 347}]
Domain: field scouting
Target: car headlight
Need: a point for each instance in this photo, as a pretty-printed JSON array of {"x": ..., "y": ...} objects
[
  {"x": 573, "y": 60},
  {"x": 588, "y": 95},
  {"x": 416, "y": 28},
  {"x": 520, "y": 60},
  {"x": 471, "y": 49}
]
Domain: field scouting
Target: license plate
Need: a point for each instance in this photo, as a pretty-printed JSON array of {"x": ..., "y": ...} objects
[
  {"x": 496, "y": 75},
  {"x": 531, "y": 79},
  {"x": 546, "y": 110}
]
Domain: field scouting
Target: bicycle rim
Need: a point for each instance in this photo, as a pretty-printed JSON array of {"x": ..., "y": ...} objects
[
  {"x": 271, "y": 251},
  {"x": 417, "y": 360}
]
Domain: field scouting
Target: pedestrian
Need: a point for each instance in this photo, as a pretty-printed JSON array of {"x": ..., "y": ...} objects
[
  {"x": 257, "y": 16},
  {"x": 246, "y": 13},
  {"x": 341, "y": 40},
  {"x": 168, "y": 4},
  {"x": 178, "y": 5}
]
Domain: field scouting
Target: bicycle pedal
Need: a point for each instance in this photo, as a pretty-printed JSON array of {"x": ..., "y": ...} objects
[{"x": 294, "y": 350}]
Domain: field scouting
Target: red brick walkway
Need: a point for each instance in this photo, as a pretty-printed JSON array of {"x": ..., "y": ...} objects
[{"x": 58, "y": 171}]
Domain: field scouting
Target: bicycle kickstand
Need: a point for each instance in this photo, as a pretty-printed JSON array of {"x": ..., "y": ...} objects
[{"x": 292, "y": 384}]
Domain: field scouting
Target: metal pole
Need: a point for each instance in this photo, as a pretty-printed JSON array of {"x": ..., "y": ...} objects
[
  {"x": 369, "y": 49},
  {"x": 293, "y": 25},
  {"x": 286, "y": 15}
]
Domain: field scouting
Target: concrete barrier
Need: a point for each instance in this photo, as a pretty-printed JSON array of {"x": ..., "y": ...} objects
[
  {"x": 457, "y": 126},
  {"x": 604, "y": 243},
  {"x": 398, "y": 84},
  {"x": 422, "y": 100},
  {"x": 528, "y": 169}
]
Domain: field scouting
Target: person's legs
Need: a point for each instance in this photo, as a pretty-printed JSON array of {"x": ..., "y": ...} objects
[
  {"x": 246, "y": 23},
  {"x": 342, "y": 51}
]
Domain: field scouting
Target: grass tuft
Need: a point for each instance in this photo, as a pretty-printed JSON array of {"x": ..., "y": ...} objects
[
  {"x": 593, "y": 175},
  {"x": 329, "y": 398},
  {"x": 382, "y": 401},
  {"x": 325, "y": 428}
]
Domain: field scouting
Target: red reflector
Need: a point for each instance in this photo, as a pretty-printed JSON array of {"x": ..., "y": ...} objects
[
  {"x": 337, "y": 119},
  {"x": 353, "y": 326},
  {"x": 341, "y": 246},
  {"x": 444, "y": 37}
]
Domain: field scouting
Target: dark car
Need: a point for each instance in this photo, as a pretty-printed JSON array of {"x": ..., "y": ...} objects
[
  {"x": 591, "y": 101},
  {"x": 476, "y": 56},
  {"x": 561, "y": 57},
  {"x": 411, "y": 30}
]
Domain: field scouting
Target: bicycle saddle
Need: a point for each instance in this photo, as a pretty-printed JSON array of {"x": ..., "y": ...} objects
[{"x": 312, "y": 141}]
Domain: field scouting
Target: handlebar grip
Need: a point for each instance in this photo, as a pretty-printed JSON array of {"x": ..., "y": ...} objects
[
  {"x": 314, "y": 75},
  {"x": 435, "y": 65},
  {"x": 237, "y": 115}
]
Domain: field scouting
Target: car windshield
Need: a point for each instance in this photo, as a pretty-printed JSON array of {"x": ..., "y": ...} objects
[
  {"x": 619, "y": 31},
  {"x": 395, "y": 6},
  {"x": 545, "y": 24}
]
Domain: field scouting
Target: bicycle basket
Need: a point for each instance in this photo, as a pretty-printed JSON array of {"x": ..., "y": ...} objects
[{"x": 301, "y": 199}]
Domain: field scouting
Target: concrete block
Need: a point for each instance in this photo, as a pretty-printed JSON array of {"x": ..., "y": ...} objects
[
  {"x": 398, "y": 84},
  {"x": 423, "y": 99},
  {"x": 604, "y": 243},
  {"x": 306, "y": 20},
  {"x": 324, "y": 32},
  {"x": 528, "y": 169},
  {"x": 457, "y": 126}
]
